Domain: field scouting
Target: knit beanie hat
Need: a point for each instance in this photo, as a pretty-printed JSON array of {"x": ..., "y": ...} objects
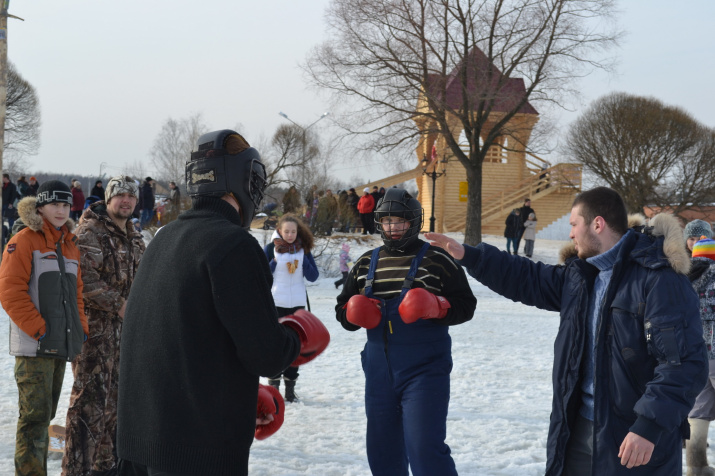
[
  {"x": 705, "y": 248},
  {"x": 120, "y": 184},
  {"x": 53, "y": 191},
  {"x": 697, "y": 228}
]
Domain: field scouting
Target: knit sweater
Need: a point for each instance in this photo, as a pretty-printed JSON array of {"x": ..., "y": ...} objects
[
  {"x": 604, "y": 262},
  {"x": 200, "y": 328}
]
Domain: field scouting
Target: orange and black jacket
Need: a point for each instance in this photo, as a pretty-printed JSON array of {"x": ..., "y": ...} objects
[{"x": 41, "y": 288}]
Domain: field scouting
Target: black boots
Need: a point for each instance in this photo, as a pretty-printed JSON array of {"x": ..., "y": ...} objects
[{"x": 290, "y": 395}]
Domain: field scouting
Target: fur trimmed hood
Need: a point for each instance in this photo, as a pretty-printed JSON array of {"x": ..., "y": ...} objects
[
  {"x": 667, "y": 226},
  {"x": 567, "y": 252},
  {"x": 30, "y": 218},
  {"x": 663, "y": 224}
]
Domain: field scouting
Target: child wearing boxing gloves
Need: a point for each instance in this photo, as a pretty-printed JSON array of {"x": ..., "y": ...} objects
[{"x": 406, "y": 294}]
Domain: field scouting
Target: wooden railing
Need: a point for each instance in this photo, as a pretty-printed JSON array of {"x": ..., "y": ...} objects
[
  {"x": 538, "y": 185},
  {"x": 391, "y": 180}
]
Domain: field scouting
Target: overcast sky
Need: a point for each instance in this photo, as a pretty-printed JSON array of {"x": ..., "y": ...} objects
[{"x": 110, "y": 73}]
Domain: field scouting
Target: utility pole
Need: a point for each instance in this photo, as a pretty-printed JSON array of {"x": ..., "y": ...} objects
[
  {"x": 3, "y": 77},
  {"x": 304, "y": 129},
  {"x": 3, "y": 80}
]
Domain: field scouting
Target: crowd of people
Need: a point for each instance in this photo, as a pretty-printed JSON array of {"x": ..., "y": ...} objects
[
  {"x": 148, "y": 211},
  {"x": 634, "y": 362},
  {"x": 343, "y": 211}
]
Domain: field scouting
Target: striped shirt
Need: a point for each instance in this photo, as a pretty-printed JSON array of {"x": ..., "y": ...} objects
[{"x": 438, "y": 273}]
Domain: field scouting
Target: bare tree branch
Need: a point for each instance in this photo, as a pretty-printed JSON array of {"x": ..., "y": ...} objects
[
  {"x": 173, "y": 146},
  {"x": 23, "y": 121}
]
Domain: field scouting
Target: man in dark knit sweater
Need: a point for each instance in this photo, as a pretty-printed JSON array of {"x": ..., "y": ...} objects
[{"x": 200, "y": 328}]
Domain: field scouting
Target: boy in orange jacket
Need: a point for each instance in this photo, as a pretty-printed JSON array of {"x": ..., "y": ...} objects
[{"x": 41, "y": 290}]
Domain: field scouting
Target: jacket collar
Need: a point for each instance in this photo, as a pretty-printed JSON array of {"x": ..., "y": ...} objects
[
  {"x": 217, "y": 206},
  {"x": 27, "y": 211},
  {"x": 98, "y": 211}
]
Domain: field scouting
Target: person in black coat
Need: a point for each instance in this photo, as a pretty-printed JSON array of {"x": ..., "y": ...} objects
[
  {"x": 511, "y": 232},
  {"x": 9, "y": 195},
  {"x": 147, "y": 201},
  {"x": 524, "y": 213},
  {"x": 195, "y": 341},
  {"x": 98, "y": 190}
]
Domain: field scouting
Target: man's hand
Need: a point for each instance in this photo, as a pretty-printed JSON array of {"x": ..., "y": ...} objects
[
  {"x": 635, "y": 451},
  {"x": 263, "y": 419},
  {"x": 121, "y": 310},
  {"x": 270, "y": 411},
  {"x": 450, "y": 245}
]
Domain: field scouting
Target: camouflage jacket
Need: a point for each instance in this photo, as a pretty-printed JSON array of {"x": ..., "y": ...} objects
[{"x": 109, "y": 259}]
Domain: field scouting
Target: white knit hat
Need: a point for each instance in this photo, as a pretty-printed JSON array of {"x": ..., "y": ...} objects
[{"x": 120, "y": 184}]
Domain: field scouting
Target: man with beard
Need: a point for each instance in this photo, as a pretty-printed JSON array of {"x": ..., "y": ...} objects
[
  {"x": 110, "y": 251},
  {"x": 629, "y": 357}
]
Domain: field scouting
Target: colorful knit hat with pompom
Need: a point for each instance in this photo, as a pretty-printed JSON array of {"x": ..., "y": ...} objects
[{"x": 705, "y": 248}]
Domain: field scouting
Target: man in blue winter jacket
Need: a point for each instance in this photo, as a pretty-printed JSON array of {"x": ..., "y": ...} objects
[{"x": 629, "y": 357}]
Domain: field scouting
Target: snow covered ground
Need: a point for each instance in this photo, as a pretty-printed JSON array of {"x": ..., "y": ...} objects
[{"x": 501, "y": 387}]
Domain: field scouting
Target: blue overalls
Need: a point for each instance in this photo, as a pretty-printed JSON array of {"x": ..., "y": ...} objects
[{"x": 407, "y": 369}]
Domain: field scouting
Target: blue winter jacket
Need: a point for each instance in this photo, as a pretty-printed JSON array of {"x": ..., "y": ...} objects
[{"x": 650, "y": 360}]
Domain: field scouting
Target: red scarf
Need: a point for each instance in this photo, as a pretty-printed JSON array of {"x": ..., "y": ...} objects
[{"x": 282, "y": 246}]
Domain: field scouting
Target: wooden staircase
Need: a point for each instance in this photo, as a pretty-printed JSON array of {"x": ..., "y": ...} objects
[{"x": 551, "y": 190}]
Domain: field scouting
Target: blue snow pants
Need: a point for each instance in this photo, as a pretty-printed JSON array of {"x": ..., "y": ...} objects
[{"x": 407, "y": 369}]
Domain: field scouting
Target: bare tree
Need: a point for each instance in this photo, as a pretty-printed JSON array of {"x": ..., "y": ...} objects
[
  {"x": 14, "y": 163},
  {"x": 424, "y": 67},
  {"x": 296, "y": 157},
  {"x": 174, "y": 144},
  {"x": 292, "y": 150},
  {"x": 650, "y": 153},
  {"x": 23, "y": 121}
]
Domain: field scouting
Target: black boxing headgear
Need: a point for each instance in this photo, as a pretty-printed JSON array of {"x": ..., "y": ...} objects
[
  {"x": 225, "y": 163},
  {"x": 398, "y": 203}
]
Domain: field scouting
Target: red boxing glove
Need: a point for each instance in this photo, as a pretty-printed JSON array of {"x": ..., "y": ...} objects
[
  {"x": 419, "y": 303},
  {"x": 314, "y": 336},
  {"x": 271, "y": 403},
  {"x": 363, "y": 311}
]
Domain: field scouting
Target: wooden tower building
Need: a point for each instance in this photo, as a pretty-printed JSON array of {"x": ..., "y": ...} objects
[{"x": 510, "y": 173}]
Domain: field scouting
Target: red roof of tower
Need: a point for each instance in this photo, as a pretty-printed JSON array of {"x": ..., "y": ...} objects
[{"x": 506, "y": 95}]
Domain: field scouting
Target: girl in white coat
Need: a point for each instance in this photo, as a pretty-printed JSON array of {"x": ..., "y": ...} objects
[{"x": 291, "y": 263}]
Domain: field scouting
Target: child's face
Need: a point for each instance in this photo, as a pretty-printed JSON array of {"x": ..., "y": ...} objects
[
  {"x": 691, "y": 242},
  {"x": 289, "y": 231},
  {"x": 56, "y": 213},
  {"x": 394, "y": 227}
]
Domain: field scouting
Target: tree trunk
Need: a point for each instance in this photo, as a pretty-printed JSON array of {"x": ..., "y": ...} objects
[
  {"x": 3, "y": 88},
  {"x": 473, "y": 231}
]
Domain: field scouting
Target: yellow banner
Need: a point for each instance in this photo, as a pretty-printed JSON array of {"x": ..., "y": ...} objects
[{"x": 463, "y": 191}]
